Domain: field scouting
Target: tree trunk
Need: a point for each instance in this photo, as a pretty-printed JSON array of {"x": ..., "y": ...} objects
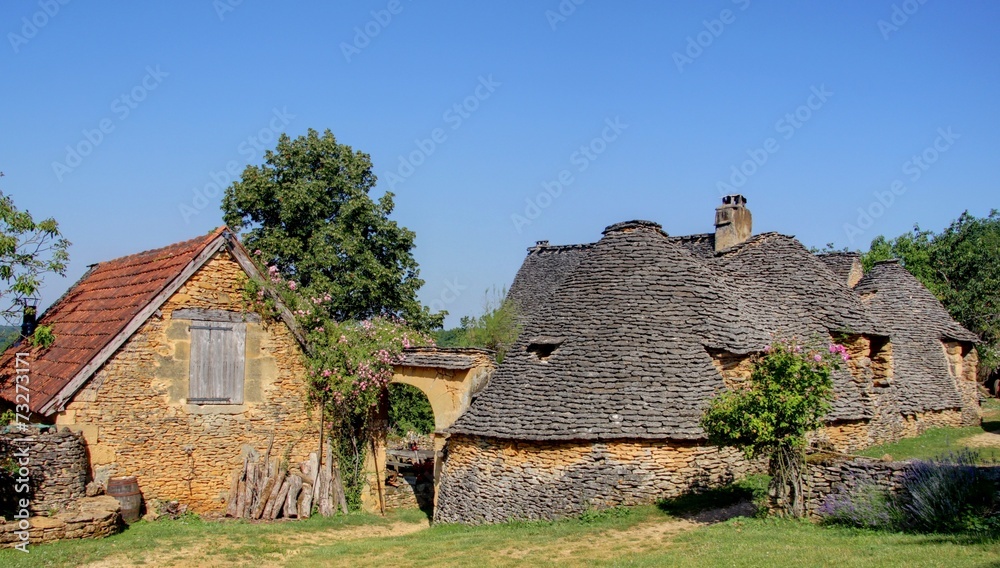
[{"x": 787, "y": 468}]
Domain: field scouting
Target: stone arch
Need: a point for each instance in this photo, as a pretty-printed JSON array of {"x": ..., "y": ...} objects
[{"x": 449, "y": 377}]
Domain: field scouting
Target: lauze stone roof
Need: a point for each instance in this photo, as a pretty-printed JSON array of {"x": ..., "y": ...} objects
[
  {"x": 617, "y": 334},
  {"x": 917, "y": 323}
]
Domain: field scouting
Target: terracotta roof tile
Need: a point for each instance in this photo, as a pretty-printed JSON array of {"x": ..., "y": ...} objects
[{"x": 93, "y": 312}]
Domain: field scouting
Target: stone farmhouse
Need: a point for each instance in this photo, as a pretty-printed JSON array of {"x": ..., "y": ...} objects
[
  {"x": 625, "y": 340},
  {"x": 167, "y": 378}
]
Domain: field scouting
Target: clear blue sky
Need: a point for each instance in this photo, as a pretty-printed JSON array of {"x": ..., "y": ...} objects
[{"x": 696, "y": 91}]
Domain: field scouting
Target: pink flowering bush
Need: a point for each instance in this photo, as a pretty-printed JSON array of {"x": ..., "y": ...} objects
[
  {"x": 789, "y": 392},
  {"x": 350, "y": 365}
]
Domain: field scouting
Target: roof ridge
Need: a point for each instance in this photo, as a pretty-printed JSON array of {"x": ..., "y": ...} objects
[{"x": 205, "y": 239}]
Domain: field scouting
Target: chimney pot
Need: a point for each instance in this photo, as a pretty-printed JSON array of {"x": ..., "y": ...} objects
[{"x": 733, "y": 222}]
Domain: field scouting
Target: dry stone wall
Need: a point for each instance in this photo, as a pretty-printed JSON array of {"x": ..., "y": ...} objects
[
  {"x": 56, "y": 465},
  {"x": 841, "y": 477},
  {"x": 136, "y": 421},
  {"x": 90, "y": 517},
  {"x": 488, "y": 480}
]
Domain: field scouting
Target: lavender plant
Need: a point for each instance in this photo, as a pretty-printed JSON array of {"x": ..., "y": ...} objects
[{"x": 952, "y": 494}]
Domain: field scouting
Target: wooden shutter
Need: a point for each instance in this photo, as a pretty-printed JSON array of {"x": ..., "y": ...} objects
[{"x": 218, "y": 350}]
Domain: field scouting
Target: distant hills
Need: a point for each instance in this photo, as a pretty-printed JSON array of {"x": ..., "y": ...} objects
[{"x": 8, "y": 335}]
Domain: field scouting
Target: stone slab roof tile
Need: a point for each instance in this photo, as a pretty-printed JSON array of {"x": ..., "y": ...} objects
[{"x": 917, "y": 322}]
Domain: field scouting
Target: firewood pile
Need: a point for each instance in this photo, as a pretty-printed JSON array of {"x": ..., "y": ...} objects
[{"x": 266, "y": 489}]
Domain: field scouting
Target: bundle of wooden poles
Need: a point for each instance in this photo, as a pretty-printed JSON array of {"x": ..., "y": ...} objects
[{"x": 266, "y": 489}]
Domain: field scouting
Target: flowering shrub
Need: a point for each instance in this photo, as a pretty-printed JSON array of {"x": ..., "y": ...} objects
[
  {"x": 788, "y": 394},
  {"x": 350, "y": 364},
  {"x": 866, "y": 506}
]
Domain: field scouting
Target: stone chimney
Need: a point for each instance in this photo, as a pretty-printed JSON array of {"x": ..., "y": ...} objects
[
  {"x": 29, "y": 317},
  {"x": 733, "y": 222}
]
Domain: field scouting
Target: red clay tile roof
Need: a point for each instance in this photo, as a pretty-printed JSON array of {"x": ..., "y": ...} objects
[{"x": 93, "y": 312}]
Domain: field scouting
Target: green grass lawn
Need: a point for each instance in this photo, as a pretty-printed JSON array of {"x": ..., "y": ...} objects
[
  {"x": 940, "y": 441},
  {"x": 640, "y": 536}
]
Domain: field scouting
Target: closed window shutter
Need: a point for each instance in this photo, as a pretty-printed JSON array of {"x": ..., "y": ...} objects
[{"x": 217, "y": 362}]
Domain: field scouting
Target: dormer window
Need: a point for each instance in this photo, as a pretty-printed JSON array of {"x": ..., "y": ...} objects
[{"x": 544, "y": 347}]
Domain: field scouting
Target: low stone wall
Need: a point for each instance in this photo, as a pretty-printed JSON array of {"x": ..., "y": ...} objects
[
  {"x": 839, "y": 477},
  {"x": 486, "y": 480},
  {"x": 57, "y": 467},
  {"x": 90, "y": 517},
  {"x": 409, "y": 492}
]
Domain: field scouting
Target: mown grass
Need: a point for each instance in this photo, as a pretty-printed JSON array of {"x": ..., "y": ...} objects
[
  {"x": 212, "y": 541},
  {"x": 639, "y": 536},
  {"x": 939, "y": 442}
]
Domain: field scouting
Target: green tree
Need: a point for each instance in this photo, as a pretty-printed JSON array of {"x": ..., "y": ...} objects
[
  {"x": 28, "y": 250},
  {"x": 789, "y": 393},
  {"x": 497, "y": 328},
  {"x": 409, "y": 410},
  {"x": 961, "y": 267},
  {"x": 308, "y": 210}
]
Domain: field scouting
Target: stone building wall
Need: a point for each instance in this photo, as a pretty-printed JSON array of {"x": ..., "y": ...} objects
[
  {"x": 487, "y": 480},
  {"x": 134, "y": 414},
  {"x": 963, "y": 365},
  {"x": 56, "y": 465}
]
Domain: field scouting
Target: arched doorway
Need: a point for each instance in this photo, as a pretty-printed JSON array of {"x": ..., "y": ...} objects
[
  {"x": 409, "y": 462},
  {"x": 448, "y": 377}
]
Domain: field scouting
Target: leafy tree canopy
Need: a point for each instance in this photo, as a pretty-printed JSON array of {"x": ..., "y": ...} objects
[
  {"x": 28, "y": 250},
  {"x": 307, "y": 209},
  {"x": 961, "y": 266}
]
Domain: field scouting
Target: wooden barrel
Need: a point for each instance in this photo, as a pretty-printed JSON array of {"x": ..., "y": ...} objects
[{"x": 126, "y": 490}]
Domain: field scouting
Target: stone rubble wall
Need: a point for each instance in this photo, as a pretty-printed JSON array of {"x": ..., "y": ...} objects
[
  {"x": 57, "y": 468},
  {"x": 135, "y": 418},
  {"x": 839, "y": 477},
  {"x": 90, "y": 517},
  {"x": 963, "y": 365},
  {"x": 871, "y": 366},
  {"x": 409, "y": 493},
  {"x": 487, "y": 480}
]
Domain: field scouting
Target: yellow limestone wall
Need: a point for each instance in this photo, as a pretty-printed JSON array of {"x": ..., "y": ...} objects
[{"x": 135, "y": 419}]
